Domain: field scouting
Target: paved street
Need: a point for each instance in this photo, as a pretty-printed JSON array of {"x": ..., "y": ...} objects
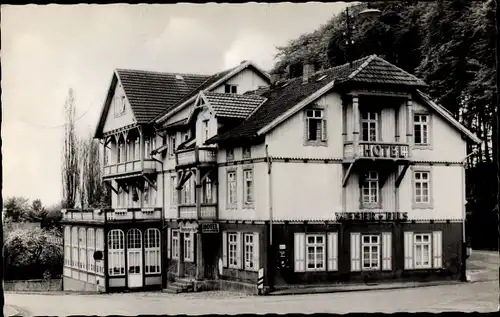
[{"x": 477, "y": 296}]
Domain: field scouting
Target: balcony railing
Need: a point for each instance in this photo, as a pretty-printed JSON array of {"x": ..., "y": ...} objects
[
  {"x": 372, "y": 215},
  {"x": 207, "y": 211},
  {"x": 195, "y": 156},
  {"x": 129, "y": 167},
  {"x": 377, "y": 150},
  {"x": 111, "y": 215}
]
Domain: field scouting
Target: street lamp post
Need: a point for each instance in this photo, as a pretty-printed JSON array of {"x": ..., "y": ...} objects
[{"x": 463, "y": 269}]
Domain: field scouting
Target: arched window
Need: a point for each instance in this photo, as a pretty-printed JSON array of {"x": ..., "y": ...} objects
[
  {"x": 90, "y": 249},
  {"x": 116, "y": 253},
  {"x": 134, "y": 239},
  {"x": 82, "y": 248},
  {"x": 99, "y": 246},
  {"x": 67, "y": 246},
  {"x": 74, "y": 247},
  {"x": 152, "y": 251}
]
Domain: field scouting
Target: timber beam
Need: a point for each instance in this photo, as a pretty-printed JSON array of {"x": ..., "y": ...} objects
[
  {"x": 402, "y": 174},
  {"x": 347, "y": 174},
  {"x": 150, "y": 182},
  {"x": 108, "y": 183}
]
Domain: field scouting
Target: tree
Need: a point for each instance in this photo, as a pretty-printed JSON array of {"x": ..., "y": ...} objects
[
  {"x": 16, "y": 208},
  {"x": 93, "y": 192},
  {"x": 70, "y": 168}
]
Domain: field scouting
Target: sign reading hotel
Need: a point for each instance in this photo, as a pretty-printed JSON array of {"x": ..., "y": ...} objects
[
  {"x": 372, "y": 216},
  {"x": 210, "y": 228},
  {"x": 384, "y": 150}
]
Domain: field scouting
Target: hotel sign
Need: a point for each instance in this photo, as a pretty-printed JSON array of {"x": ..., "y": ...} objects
[
  {"x": 188, "y": 227},
  {"x": 209, "y": 227},
  {"x": 372, "y": 216},
  {"x": 384, "y": 150}
]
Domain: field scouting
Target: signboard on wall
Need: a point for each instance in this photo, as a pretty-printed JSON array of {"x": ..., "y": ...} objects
[
  {"x": 384, "y": 150},
  {"x": 188, "y": 227},
  {"x": 372, "y": 216},
  {"x": 209, "y": 227}
]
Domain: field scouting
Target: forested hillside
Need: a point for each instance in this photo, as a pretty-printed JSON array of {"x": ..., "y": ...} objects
[{"x": 449, "y": 44}]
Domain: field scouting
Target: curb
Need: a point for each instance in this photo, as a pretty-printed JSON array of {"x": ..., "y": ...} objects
[{"x": 364, "y": 288}]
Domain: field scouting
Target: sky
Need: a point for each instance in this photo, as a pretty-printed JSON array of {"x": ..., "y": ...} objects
[{"x": 46, "y": 50}]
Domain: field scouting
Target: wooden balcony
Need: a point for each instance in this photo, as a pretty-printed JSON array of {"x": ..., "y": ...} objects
[
  {"x": 367, "y": 215},
  {"x": 207, "y": 211},
  {"x": 112, "y": 215},
  {"x": 195, "y": 157},
  {"x": 377, "y": 151},
  {"x": 130, "y": 167}
]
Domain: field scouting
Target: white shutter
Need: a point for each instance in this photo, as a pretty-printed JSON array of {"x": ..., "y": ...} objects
[
  {"x": 437, "y": 250},
  {"x": 169, "y": 243},
  {"x": 239, "y": 250},
  {"x": 386, "y": 251},
  {"x": 408, "y": 244},
  {"x": 332, "y": 244},
  {"x": 324, "y": 135},
  {"x": 256, "y": 250},
  {"x": 299, "y": 252},
  {"x": 224, "y": 248},
  {"x": 355, "y": 252}
]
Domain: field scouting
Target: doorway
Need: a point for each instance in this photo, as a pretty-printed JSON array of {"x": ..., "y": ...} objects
[{"x": 134, "y": 258}]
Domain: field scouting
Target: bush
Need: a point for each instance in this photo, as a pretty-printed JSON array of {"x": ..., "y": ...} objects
[{"x": 30, "y": 253}]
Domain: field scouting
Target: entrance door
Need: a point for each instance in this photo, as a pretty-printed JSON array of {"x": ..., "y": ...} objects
[{"x": 134, "y": 258}]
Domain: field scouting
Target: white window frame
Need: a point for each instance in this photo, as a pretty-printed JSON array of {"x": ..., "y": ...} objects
[
  {"x": 186, "y": 192},
  {"x": 370, "y": 182},
  {"x": 99, "y": 246},
  {"x": 316, "y": 246},
  {"x": 248, "y": 186},
  {"x": 74, "y": 247},
  {"x": 146, "y": 194},
  {"x": 246, "y": 152},
  {"x": 206, "y": 130},
  {"x": 207, "y": 191},
  {"x": 233, "y": 248},
  {"x": 82, "y": 249},
  {"x": 371, "y": 245},
  {"x": 230, "y": 89},
  {"x": 371, "y": 119},
  {"x": 173, "y": 191},
  {"x": 424, "y": 128},
  {"x": 229, "y": 154},
  {"x": 152, "y": 251},
  {"x": 67, "y": 246},
  {"x": 188, "y": 247},
  {"x": 316, "y": 115},
  {"x": 171, "y": 143},
  {"x": 175, "y": 244},
  {"x": 418, "y": 185},
  {"x": 232, "y": 188},
  {"x": 120, "y": 106},
  {"x": 248, "y": 251},
  {"x": 116, "y": 252},
  {"x": 420, "y": 245},
  {"x": 91, "y": 249}
]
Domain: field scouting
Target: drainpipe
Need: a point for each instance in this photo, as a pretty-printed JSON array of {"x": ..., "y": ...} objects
[
  {"x": 463, "y": 270},
  {"x": 270, "y": 193}
]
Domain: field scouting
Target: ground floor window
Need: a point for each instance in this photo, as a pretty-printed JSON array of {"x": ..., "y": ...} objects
[
  {"x": 152, "y": 251},
  {"x": 175, "y": 244},
  {"x": 240, "y": 250},
  {"x": 99, "y": 246},
  {"x": 314, "y": 252},
  {"x": 233, "y": 245},
  {"x": 116, "y": 253},
  {"x": 423, "y": 250},
  {"x": 249, "y": 251},
  {"x": 188, "y": 247},
  {"x": 67, "y": 246},
  {"x": 90, "y": 249},
  {"x": 315, "y": 246},
  {"x": 370, "y": 245}
]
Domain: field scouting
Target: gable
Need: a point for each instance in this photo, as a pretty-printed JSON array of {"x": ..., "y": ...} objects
[
  {"x": 247, "y": 80},
  {"x": 116, "y": 119}
]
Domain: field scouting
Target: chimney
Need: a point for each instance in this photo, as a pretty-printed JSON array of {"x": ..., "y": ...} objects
[
  {"x": 275, "y": 77},
  {"x": 307, "y": 72}
]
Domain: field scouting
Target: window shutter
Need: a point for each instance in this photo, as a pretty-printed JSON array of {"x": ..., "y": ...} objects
[
  {"x": 239, "y": 250},
  {"x": 437, "y": 250},
  {"x": 324, "y": 135},
  {"x": 169, "y": 243},
  {"x": 224, "y": 248},
  {"x": 332, "y": 244},
  {"x": 408, "y": 243},
  {"x": 386, "y": 251},
  {"x": 299, "y": 253},
  {"x": 256, "y": 250},
  {"x": 307, "y": 129},
  {"x": 355, "y": 252},
  {"x": 193, "y": 245}
]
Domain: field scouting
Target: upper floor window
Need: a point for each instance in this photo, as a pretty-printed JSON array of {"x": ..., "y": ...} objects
[
  {"x": 172, "y": 145},
  {"x": 247, "y": 152},
  {"x": 147, "y": 148},
  {"x": 206, "y": 130},
  {"x": 130, "y": 149},
  {"x": 370, "y": 189},
  {"x": 230, "y": 89},
  {"x": 119, "y": 106},
  {"x": 207, "y": 190},
  {"x": 173, "y": 190},
  {"x": 369, "y": 126},
  {"x": 186, "y": 192},
  {"x": 137, "y": 149},
  {"x": 315, "y": 125},
  {"x": 229, "y": 154},
  {"x": 248, "y": 186},
  {"x": 120, "y": 157},
  {"x": 421, "y": 129},
  {"x": 422, "y": 187},
  {"x": 231, "y": 188},
  {"x": 146, "y": 194}
]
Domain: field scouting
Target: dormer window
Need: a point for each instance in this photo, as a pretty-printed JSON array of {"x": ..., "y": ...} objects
[{"x": 230, "y": 89}]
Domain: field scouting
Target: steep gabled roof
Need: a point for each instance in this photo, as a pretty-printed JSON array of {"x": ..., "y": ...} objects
[
  {"x": 211, "y": 83},
  {"x": 233, "y": 105},
  {"x": 149, "y": 93}
]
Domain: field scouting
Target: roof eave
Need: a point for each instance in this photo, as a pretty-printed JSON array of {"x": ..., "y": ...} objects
[{"x": 102, "y": 118}]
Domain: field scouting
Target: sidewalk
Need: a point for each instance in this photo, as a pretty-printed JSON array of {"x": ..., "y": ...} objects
[{"x": 10, "y": 311}]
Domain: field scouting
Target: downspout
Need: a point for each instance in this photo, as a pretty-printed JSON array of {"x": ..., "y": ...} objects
[
  {"x": 162, "y": 218},
  {"x": 270, "y": 193}
]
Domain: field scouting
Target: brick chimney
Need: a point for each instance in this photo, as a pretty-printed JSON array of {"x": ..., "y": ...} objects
[{"x": 307, "y": 72}]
